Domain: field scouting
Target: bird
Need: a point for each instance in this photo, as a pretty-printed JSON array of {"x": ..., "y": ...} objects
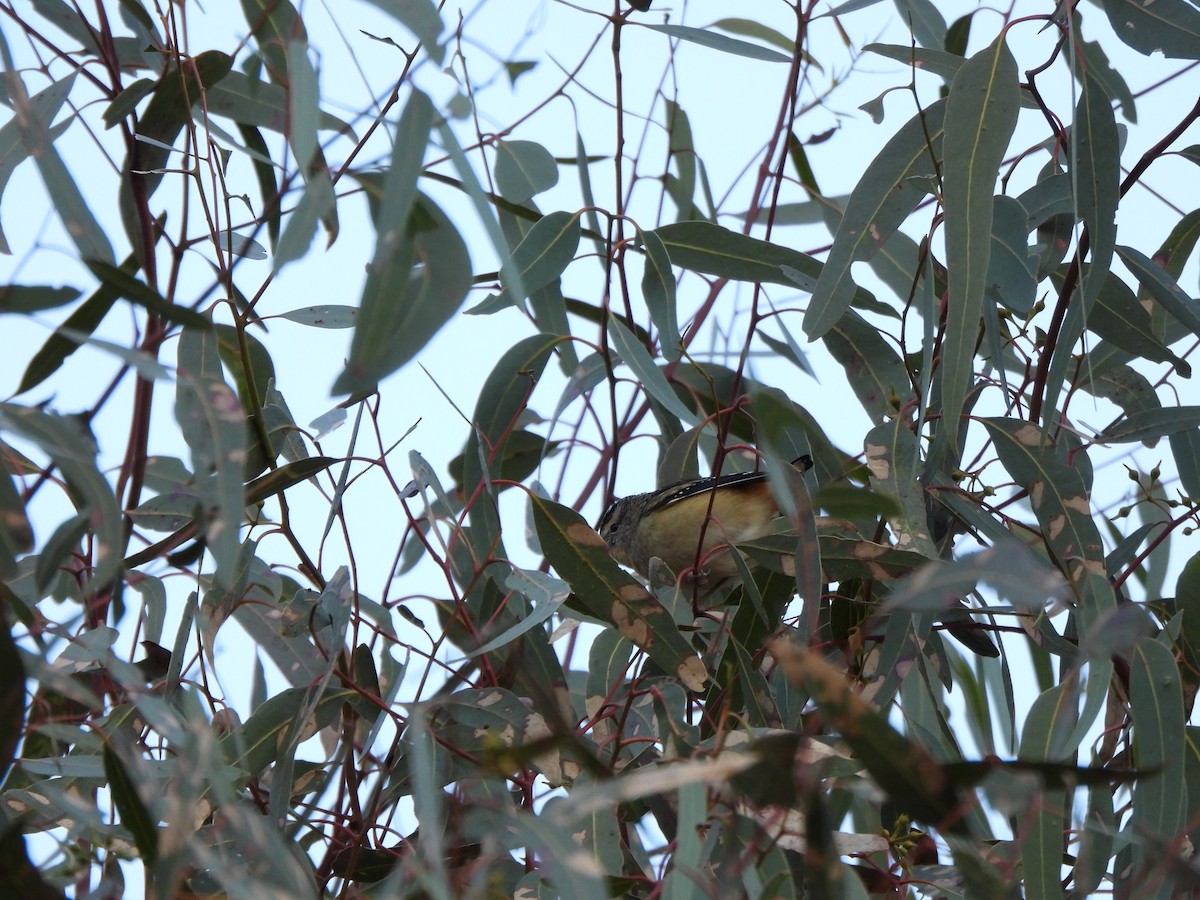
[{"x": 690, "y": 525}]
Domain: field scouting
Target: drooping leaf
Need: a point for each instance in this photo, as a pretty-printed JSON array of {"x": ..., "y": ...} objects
[
  {"x": 883, "y": 198},
  {"x": 1156, "y": 705},
  {"x": 927, "y": 24},
  {"x": 27, "y": 298},
  {"x": 1096, "y": 168},
  {"x": 981, "y": 112},
  {"x": 658, "y": 290},
  {"x": 210, "y": 418}
]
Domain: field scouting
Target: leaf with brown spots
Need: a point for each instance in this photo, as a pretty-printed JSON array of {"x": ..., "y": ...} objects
[
  {"x": 579, "y": 556},
  {"x": 914, "y": 780}
]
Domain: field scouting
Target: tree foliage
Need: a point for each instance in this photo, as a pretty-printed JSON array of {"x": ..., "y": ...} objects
[{"x": 385, "y": 653}]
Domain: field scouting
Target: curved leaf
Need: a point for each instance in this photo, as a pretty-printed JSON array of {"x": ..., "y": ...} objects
[
  {"x": 404, "y": 305},
  {"x": 883, "y": 198}
]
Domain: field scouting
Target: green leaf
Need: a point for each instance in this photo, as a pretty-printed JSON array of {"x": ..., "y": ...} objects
[
  {"x": 303, "y": 97},
  {"x": 41, "y": 107},
  {"x": 483, "y": 203},
  {"x": 275, "y": 25},
  {"x": 134, "y": 814},
  {"x": 1162, "y": 287},
  {"x": 926, "y": 59},
  {"x": 1118, "y": 317},
  {"x": 1012, "y": 570},
  {"x": 33, "y": 120},
  {"x": 524, "y": 169},
  {"x": 894, "y": 459},
  {"x": 81, "y": 226},
  {"x": 720, "y": 42},
  {"x": 715, "y": 250},
  {"x": 422, "y": 19},
  {"x": 544, "y": 254},
  {"x": 126, "y": 285},
  {"x": 317, "y": 202},
  {"x": 256, "y": 744},
  {"x": 651, "y": 378},
  {"x": 1156, "y": 705},
  {"x": 750, "y": 28},
  {"x": 658, "y": 290},
  {"x": 405, "y": 305},
  {"x": 682, "y": 150},
  {"x": 170, "y": 107},
  {"x": 327, "y": 316},
  {"x": 874, "y": 369},
  {"x": 883, "y": 198},
  {"x": 166, "y": 512},
  {"x": 83, "y": 321},
  {"x": 28, "y": 298},
  {"x": 1097, "y": 65},
  {"x": 59, "y": 548},
  {"x": 1185, "y": 447},
  {"x": 501, "y": 403},
  {"x": 126, "y": 101},
  {"x": 545, "y": 594},
  {"x": 1096, "y": 169},
  {"x": 1059, "y": 497},
  {"x": 71, "y": 447},
  {"x": 927, "y": 24},
  {"x": 981, "y": 112},
  {"x": 904, "y": 770},
  {"x": 264, "y": 174},
  {"x": 580, "y": 557},
  {"x": 254, "y": 103},
  {"x": 1152, "y": 424},
  {"x": 1046, "y": 737},
  {"x": 1169, "y": 26},
  {"x": 1187, "y": 601},
  {"x": 210, "y": 418},
  {"x": 1118, "y": 382},
  {"x": 1011, "y": 279},
  {"x": 279, "y": 480}
]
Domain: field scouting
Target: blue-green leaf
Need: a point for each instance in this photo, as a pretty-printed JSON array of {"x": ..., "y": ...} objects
[
  {"x": 658, "y": 290},
  {"x": 634, "y": 355},
  {"x": 524, "y": 169},
  {"x": 422, "y": 19},
  {"x": 1170, "y": 26},
  {"x": 881, "y": 201},
  {"x": 720, "y": 42},
  {"x": 981, "y": 112},
  {"x": 1152, "y": 424}
]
